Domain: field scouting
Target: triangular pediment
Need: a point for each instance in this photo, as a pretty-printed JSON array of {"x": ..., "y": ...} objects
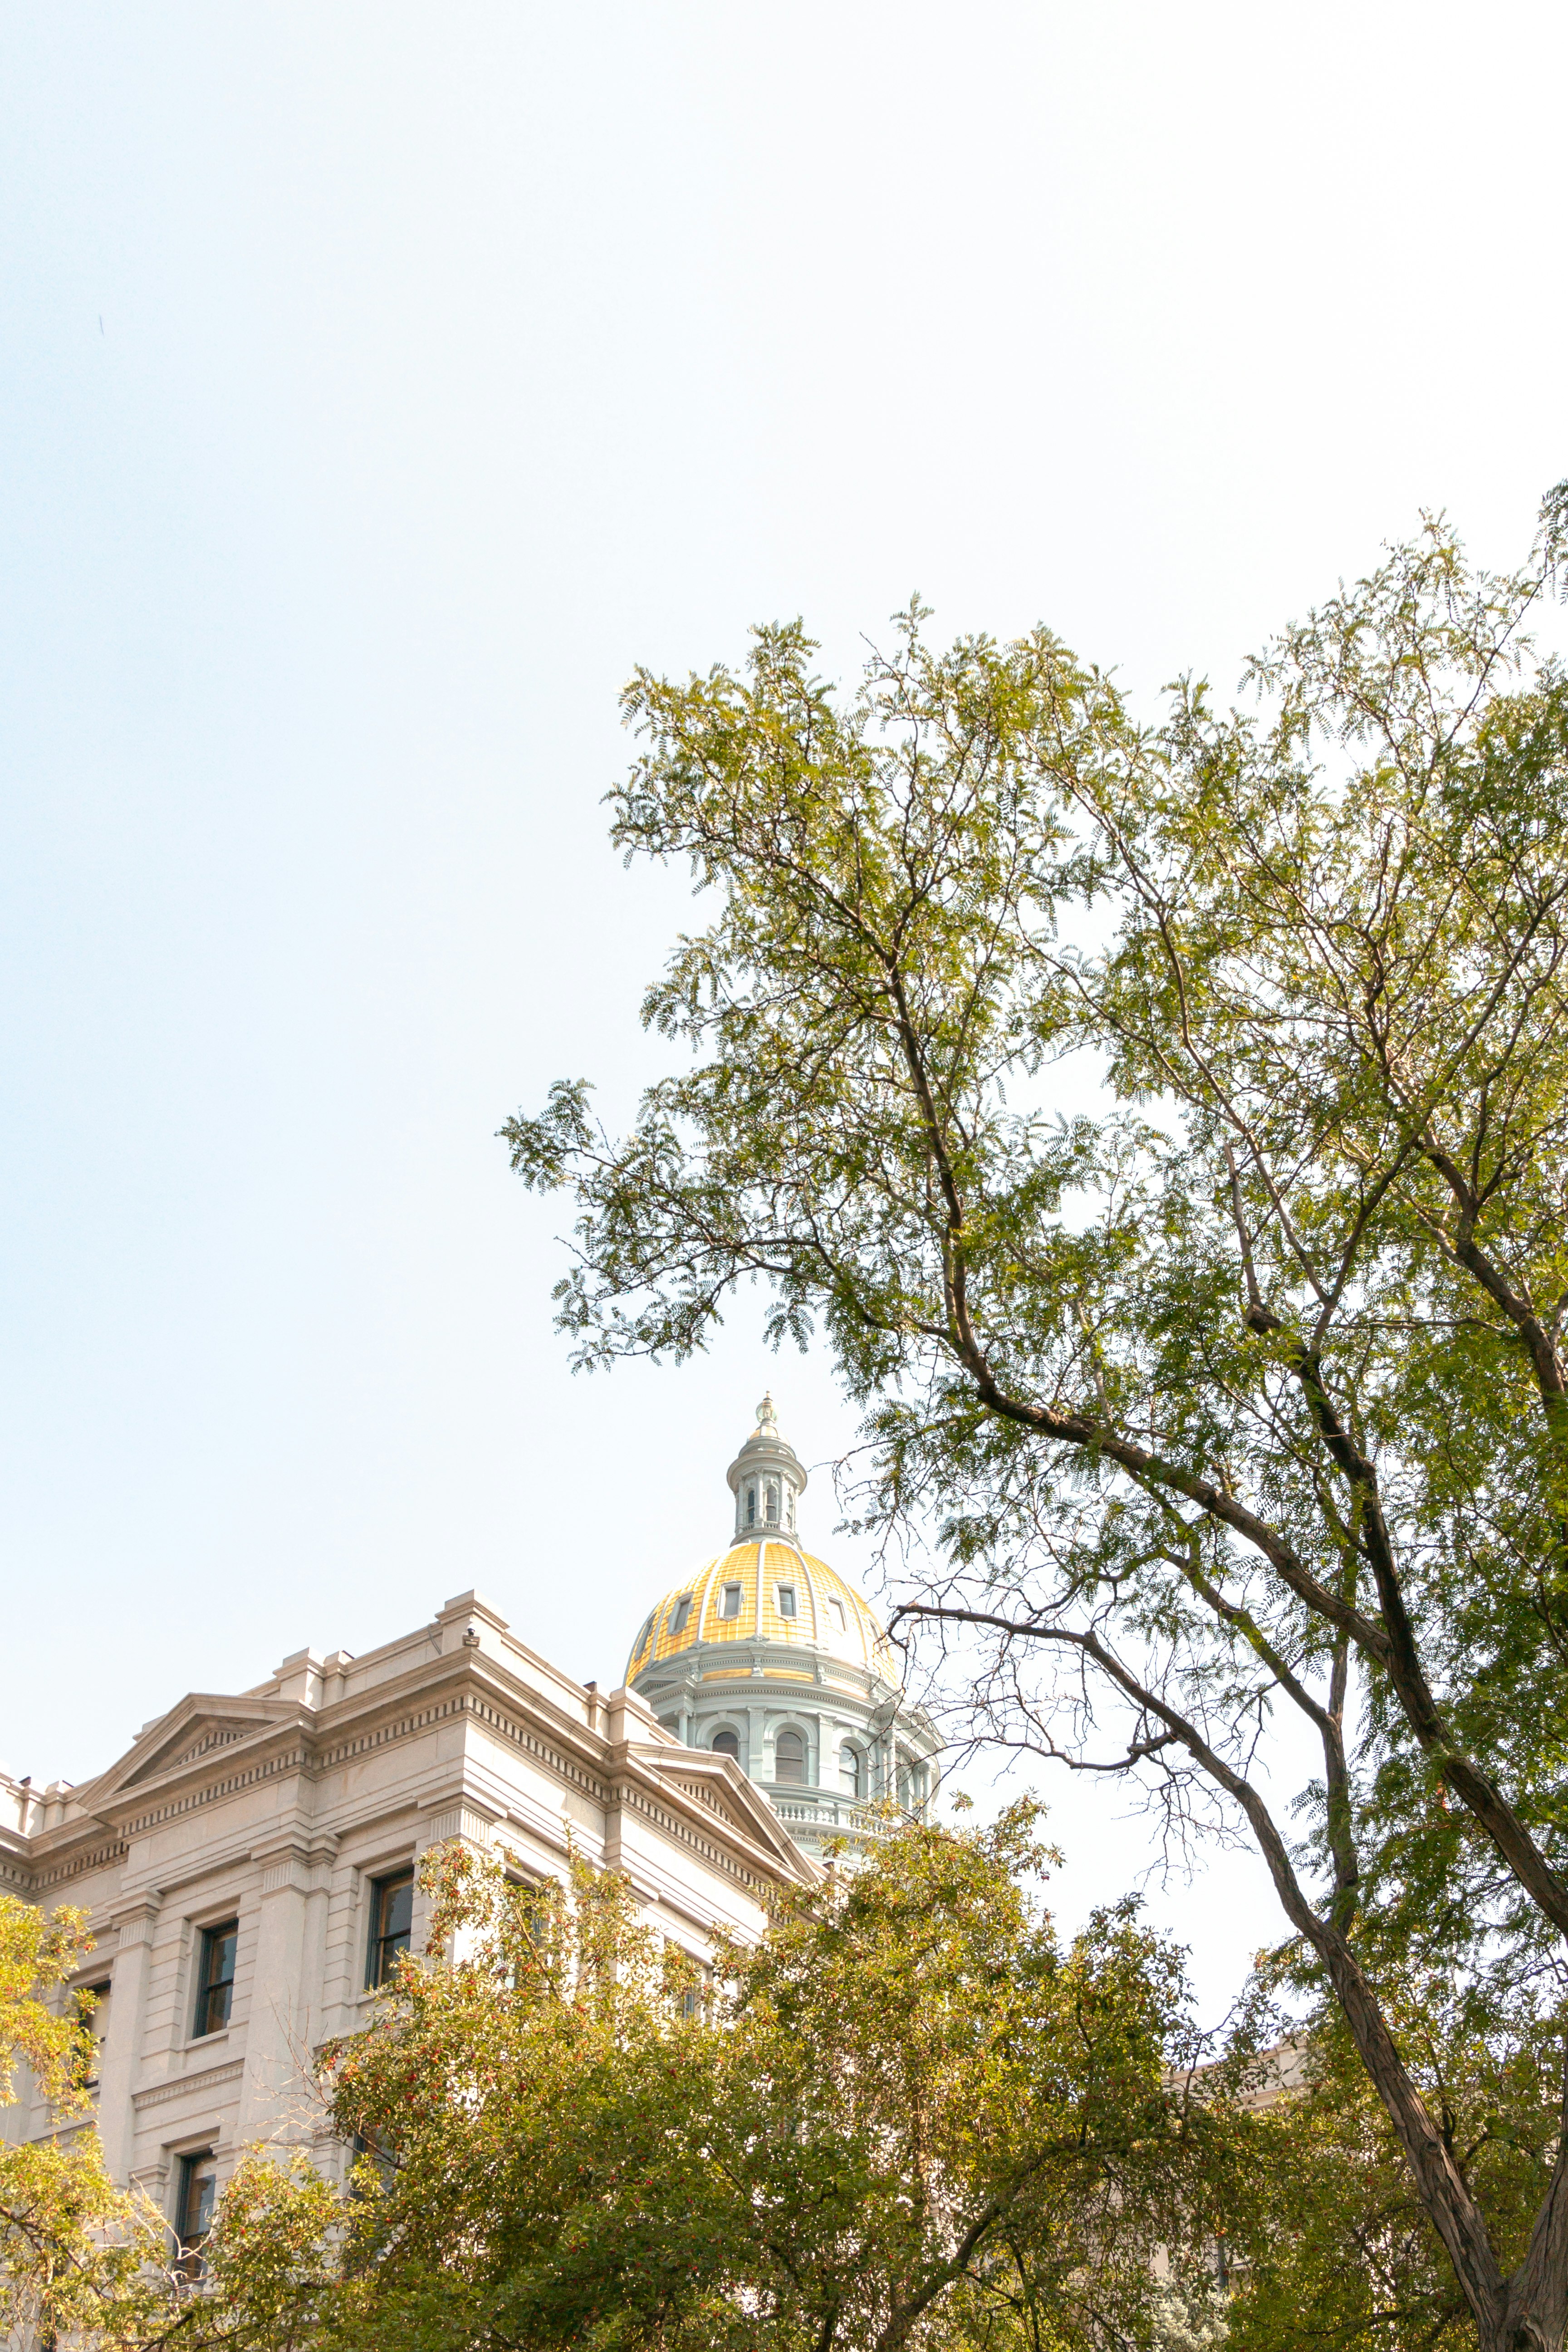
[
  {"x": 715, "y": 1798},
  {"x": 725, "y": 1794},
  {"x": 200, "y": 1728}
]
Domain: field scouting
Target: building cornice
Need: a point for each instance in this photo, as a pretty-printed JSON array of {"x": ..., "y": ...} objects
[{"x": 287, "y": 1738}]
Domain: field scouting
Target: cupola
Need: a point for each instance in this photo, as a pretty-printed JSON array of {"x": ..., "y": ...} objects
[{"x": 767, "y": 1479}]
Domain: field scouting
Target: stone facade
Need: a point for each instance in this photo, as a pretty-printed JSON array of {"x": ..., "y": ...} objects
[{"x": 290, "y": 1811}]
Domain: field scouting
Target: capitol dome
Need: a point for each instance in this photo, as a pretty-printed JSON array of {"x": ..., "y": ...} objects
[{"x": 767, "y": 1655}]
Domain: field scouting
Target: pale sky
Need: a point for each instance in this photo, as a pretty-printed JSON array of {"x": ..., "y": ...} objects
[{"x": 379, "y": 385}]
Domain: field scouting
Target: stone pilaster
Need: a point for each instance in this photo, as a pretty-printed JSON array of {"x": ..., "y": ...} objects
[
  {"x": 285, "y": 1990},
  {"x": 450, "y": 1819},
  {"x": 117, "y": 2063}
]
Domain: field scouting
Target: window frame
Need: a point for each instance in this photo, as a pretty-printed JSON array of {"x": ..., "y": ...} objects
[
  {"x": 783, "y": 1592},
  {"x": 847, "y": 1748},
  {"x": 730, "y": 1592},
  {"x": 190, "y": 2241},
  {"x": 726, "y": 1731},
  {"x": 383, "y": 2158},
  {"x": 102, "y": 1992},
  {"x": 792, "y": 1732},
  {"x": 378, "y": 1962},
  {"x": 679, "y": 1616},
  {"x": 210, "y": 1941}
]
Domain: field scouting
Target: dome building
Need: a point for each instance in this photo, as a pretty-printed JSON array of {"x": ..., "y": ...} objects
[{"x": 768, "y": 1656}]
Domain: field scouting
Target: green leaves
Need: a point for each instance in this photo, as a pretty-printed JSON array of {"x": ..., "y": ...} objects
[
  {"x": 1249, "y": 1389},
  {"x": 904, "y": 2116},
  {"x": 77, "y": 2256}
]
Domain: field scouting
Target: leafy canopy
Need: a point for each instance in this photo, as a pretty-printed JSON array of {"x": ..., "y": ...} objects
[
  {"x": 75, "y": 2251},
  {"x": 1240, "y": 1399},
  {"x": 906, "y": 2116}
]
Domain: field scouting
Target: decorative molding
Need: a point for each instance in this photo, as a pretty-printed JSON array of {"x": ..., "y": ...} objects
[
  {"x": 291, "y": 1870},
  {"x": 211, "y": 2078},
  {"x": 291, "y": 1760},
  {"x": 222, "y": 1735},
  {"x": 297, "y": 1759},
  {"x": 460, "y": 1821},
  {"x": 520, "y": 1736},
  {"x": 634, "y": 1799},
  {"x": 134, "y": 1925},
  {"x": 303, "y": 1863},
  {"x": 402, "y": 1727},
  {"x": 77, "y": 1864}
]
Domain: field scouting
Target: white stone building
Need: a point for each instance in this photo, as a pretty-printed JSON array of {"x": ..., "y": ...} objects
[{"x": 249, "y": 1865}]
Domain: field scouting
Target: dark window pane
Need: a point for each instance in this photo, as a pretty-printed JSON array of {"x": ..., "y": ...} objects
[
  {"x": 391, "y": 1921},
  {"x": 789, "y": 1759},
  {"x": 92, "y": 2010},
  {"x": 198, "y": 2195},
  {"x": 214, "y": 1980},
  {"x": 786, "y": 1600},
  {"x": 383, "y": 2158},
  {"x": 398, "y": 1915},
  {"x": 726, "y": 1744}
]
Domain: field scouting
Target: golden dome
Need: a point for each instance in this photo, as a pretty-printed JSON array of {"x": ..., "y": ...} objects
[{"x": 768, "y": 1589}]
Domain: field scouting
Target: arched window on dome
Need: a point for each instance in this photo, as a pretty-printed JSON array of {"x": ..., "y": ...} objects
[
  {"x": 727, "y": 1743},
  {"x": 849, "y": 1771},
  {"x": 789, "y": 1761}
]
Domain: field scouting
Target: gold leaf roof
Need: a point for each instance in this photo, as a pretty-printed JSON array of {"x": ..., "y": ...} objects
[{"x": 829, "y": 1614}]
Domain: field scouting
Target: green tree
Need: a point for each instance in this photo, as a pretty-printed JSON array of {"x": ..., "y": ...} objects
[
  {"x": 79, "y": 2259},
  {"x": 1242, "y": 1403},
  {"x": 1336, "y": 2249},
  {"x": 904, "y": 2116},
  {"x": 87, "y": 2263}
]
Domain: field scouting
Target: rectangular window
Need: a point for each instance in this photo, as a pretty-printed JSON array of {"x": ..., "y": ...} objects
[
  {"x": 838, "y": 1609},
  {"x": 786, "y": 1600},
  {"x": 214, "y": 1978},
  {"x": 382, "y": 2157},
  {"x": 198, "y": 2195},
  {"x": 729, "y": 1606},
  {"x": 683, "y": 1612},
  {"x": 92, "y": 2010},
  {"x": 391, "y": 1924}
]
